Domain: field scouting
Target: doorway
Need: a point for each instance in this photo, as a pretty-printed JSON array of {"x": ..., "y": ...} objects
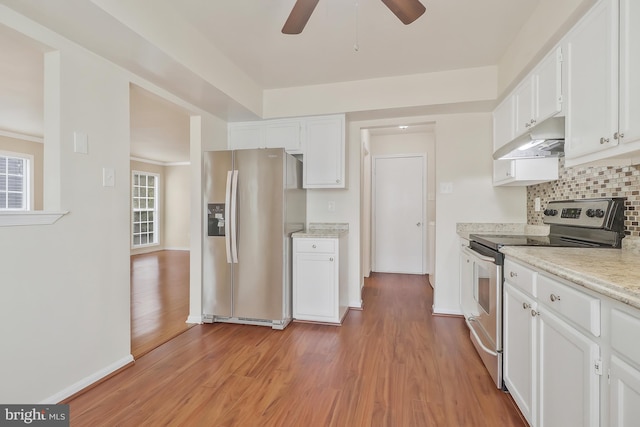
[{"x": 398, "y": 199}]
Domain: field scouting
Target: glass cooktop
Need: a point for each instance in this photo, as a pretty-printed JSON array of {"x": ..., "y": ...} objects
[{"x": 495, "y": 241}]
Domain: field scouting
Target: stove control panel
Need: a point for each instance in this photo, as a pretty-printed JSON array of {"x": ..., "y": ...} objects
[{"x": 589, "y": 213}]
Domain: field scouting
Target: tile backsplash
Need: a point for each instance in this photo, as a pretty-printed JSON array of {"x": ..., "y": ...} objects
[{"x": 590, "y": 183}]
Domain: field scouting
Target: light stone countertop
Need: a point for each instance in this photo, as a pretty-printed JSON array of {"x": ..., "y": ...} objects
[
  {"x": 323, "y": 231},
  {"x": 611, "y": 272},
  {"x": 464, "y": 229}
]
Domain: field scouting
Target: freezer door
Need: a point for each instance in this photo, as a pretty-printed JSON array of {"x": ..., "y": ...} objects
[
  {"x": 258, "y": 275},
  {"x": 216, "y": 270}
]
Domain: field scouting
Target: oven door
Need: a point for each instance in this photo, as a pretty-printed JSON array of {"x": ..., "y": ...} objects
[{"x": 481, "y": 300}]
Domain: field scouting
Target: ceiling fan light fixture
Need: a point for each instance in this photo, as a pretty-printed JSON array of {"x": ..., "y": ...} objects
[
  {"x": 407, "y": 11},
  {"x": 299, "y": 16}
]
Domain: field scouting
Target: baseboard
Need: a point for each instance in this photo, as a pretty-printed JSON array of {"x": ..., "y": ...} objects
[
  {"x": 177, "y": 249},
  {"x": 194, "y": 319},
  {"x": 88, "y": 381},
  {"x": 445, "y": 311},
  {"x": 355, "y": 305}
]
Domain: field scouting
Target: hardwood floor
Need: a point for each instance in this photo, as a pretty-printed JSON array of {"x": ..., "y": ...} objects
[
  {"x": 392, "y": 364},
  {"x": 159, "y": 299}
]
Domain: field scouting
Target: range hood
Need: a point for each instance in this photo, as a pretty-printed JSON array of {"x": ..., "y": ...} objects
[{"x": 545, "y": 140}]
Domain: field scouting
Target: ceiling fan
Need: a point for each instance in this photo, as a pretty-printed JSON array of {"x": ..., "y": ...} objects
[{"x": 406, "y": 10}]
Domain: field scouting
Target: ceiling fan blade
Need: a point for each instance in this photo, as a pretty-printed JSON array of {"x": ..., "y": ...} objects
[
  {"x": 299, "y": 16},
  {"x": 406, "y": 10}
]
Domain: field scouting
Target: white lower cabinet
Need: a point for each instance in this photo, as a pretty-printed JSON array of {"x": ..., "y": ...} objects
[
  {"x": 552, "y": 362},
  {"x": 319, "y": 279},
  {"x": 624, "y": 406},
  {"x": 568, "y": 382},
  {"x": 520, "y": 350}
]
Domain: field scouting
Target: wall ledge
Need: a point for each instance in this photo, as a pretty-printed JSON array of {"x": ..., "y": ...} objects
[{"x": 11, "y": 218}]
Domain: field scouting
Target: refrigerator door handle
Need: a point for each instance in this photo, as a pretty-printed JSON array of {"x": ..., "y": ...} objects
[
  {"x": 227, "y": 222},
  {"x": 234, "y": 209}
]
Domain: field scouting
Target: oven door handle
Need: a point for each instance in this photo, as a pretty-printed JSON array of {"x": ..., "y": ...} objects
[
  {"x": 475, "y": 334},
  {"x": 473, "y": 253}
]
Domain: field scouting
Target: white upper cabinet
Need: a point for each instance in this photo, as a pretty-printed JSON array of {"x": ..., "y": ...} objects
[
  {"x": 245, "y": 135},
  {"x": 285, "y": 133},
  {"x": 523, "y": 172},
  {"x": 592, "y": 82},
  {"x": 320, "y": 140},
  {"x": 548, "y": 75},
  {"x": 603, "y": 117},
  {"x": 537, "y": 98},
  {"x": 629, "y": 126},
  {"x": 503, "y": 123},
  {"x": 324, "y": 153},
  {"x": 525, "y": 113}
]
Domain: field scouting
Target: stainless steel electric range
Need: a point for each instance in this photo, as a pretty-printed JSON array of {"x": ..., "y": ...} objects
[{"x": 586, "y": 223}]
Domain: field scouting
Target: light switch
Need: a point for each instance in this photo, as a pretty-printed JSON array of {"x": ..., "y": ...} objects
[
  {"x": 108, "y": 177},
  {"x": 80, "y": 143},
  {"x": 446, "y": 187},
  {"x": 537, "y": 206}
]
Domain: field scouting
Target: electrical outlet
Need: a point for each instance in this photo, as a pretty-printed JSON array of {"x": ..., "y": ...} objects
[
  {"x": 108, "y": 177},
  {"x": 331, "y": 206}
]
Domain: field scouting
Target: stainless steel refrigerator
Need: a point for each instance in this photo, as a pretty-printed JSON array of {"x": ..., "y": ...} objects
[{"x": 254, "y": 201}]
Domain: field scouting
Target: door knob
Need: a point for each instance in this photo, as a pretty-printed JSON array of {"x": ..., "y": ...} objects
[{"x": 418, "y": 224}]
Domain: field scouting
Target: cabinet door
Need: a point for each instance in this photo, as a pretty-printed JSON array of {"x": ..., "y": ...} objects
[
  {"x": 525, "y": 106},
  {"x": 285, "y": 133},
  {"x": 519, "y": 349},
  {"x": 503, "y": 124},
  {"x": 624, "y": 401},
  {"x": 324, "y": 155},
  {"x": 592, "y": 101},
  {"x": 629, "y": 70},
  {"x": 314, "y": 293},
  {"x": 245, "y": 135},
  {"x": 503, "y": 170},
  {"x": 569, "y": 387},
  {"x": 549, "y": 86}
]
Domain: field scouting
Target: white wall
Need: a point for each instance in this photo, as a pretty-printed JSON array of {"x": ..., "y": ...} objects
[
  {"x": 64, "y": 311},
  {"x": 463, "y": 155},
  {"x": 177, "y": 207}
]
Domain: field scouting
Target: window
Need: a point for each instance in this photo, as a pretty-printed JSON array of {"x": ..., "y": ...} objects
[
  {"x": 145, "y": 209},
  {"x": 14, "y": 183}
]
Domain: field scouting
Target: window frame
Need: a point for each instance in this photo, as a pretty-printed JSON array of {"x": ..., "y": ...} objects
[
  {"x": 155, "y": 210},
  {"x": 27, "y": 184}
]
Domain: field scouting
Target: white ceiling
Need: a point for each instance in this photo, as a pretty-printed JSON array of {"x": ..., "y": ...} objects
[{"x": 452, "y": 34}]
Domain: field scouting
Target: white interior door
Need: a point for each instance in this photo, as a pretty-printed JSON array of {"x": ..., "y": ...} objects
[{"x": 398, "y": 228}]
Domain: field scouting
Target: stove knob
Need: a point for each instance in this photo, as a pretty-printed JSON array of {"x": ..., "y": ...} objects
[
  {"x": 550, "y": 212},
  {"x": 591, "y": 213},
  {"x": 599, "y": 213}
]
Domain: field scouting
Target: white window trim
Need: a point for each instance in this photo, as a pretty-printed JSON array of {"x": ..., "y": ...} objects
[
  {"x": 29, "y": 176},
  {"x": 156, "y": 210}
]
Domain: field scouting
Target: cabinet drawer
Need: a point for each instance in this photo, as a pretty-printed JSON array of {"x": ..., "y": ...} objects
[
  {"x": 520, "y": 276},
  {"x": 316, "y": 245},
  {"x": 577, "y": 306},
  {"x": 625, "y": 335}
]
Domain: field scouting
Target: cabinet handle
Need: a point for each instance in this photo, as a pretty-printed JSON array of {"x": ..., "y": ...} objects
[
  {"x": 525, "y": 306},
  {"x": 534, "y": 313},
  {"x": 533, "y": 121},
  {"x": 314, "y": 246},
  {"x": 554, "y": 297},
  {"x": 331, "y": 259},
  {"x": 527, "y": 125},
  {"x": 338, "y": 181},
  {"x": 618, "y": 135},
  {"x": 513, "y": 274},
  {"x": 604, "y": 140}
]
